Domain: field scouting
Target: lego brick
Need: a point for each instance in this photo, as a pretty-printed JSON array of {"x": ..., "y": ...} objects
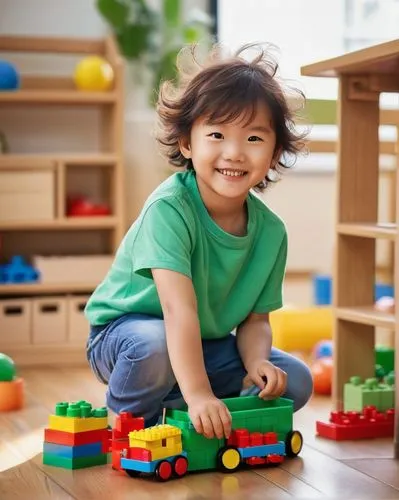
[
  {"x": 385, "y": 356},
  {"x": 125, "y": 423},
  {"x": 358, "y": 394},
  {"x": 367, "y": 424},
  {"x": 78, "y": 417},
  {"x": 74, "y": 463},
  {"x": 83, "y": 450},
  {"x": 161, "y": 440},
  {"x": 263, "y": 451},
  {"x": 76, "y": 438}
]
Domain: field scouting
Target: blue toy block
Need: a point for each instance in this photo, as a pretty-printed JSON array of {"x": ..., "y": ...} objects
[
  {"x": 322, "y": 290},
  {"x": 18, "y": 271},
  {"x": 84, "y": 450},
  {"x": 263, "y": 450}
]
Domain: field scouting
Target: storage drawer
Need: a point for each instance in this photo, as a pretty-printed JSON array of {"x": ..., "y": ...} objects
[
  {"x": 27, "y": 195},
  {"x": 78, "y": 326},
  {"x": 15, "y": 322},
  {"x": 49, "y": 320}
]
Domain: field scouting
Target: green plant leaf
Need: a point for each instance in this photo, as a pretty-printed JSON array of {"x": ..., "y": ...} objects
[
  {"x": 133, "y": 40},
  {"x": 171, "y": 11},
  {"x": 114, "y": 11}
]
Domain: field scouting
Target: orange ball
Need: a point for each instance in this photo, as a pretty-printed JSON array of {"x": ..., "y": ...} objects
[{"x": 322, "y": 371}]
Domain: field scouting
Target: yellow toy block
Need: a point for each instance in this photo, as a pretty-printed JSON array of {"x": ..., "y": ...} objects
[
  {"x": 300, "y": 329},
  {"x": 78, "y": 417},
  {"x": 74, "y": 424},
  {"x": 162, "y": 440}
]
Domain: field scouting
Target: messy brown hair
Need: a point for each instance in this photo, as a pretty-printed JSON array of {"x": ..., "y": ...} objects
[{"x": 224, "y": 89}]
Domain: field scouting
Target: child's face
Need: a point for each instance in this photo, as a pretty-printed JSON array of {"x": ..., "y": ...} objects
[{"x": 232, "y": 158}]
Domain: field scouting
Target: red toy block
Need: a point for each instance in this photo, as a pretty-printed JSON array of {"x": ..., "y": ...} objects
[
  {"x": 274, "y": 459},
  {"x": 255, "y": 461},
  {"x": 239, "y": 438},
  {"x": 78, "y": 438},
  {"x": 140, "y": 454},
  {"x": 125, "y": 423},
  {"x": 117, "y": 446},
  {"x": 256, "y": 439},
  {"x": 352, "y": 425},
  {"x": 270, "y": 438}
]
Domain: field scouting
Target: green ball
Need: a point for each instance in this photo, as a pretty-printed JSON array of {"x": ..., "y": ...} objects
[{"x": 7, "y": 368}]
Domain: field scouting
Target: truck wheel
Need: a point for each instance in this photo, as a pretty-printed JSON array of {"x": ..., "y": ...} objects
[
  {"x": 228, "y": 459},
  {"x": 180, "y": 466},
  {"x": 132, "y": 473},
  {"x": 163, "y": 471},
  {"x": 293, "y": 443}
]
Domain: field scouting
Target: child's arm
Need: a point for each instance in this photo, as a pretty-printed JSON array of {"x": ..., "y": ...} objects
[
  {"x": 254, "y": 341},
  {"x": 179, "y": 305}
]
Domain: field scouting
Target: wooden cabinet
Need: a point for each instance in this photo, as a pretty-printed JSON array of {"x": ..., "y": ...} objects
[{"x": 362, "y": 75}]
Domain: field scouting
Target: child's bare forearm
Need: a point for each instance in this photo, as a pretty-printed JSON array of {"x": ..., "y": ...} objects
[
  {"x": 254, "y": 340},
  {"x": 186, "y": 355}
]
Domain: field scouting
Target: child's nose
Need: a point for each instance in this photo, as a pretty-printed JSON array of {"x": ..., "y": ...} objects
[{"x": 233, "y": 152}]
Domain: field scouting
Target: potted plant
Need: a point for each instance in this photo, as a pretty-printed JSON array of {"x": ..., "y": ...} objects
[{"x": 151, "y": 38}]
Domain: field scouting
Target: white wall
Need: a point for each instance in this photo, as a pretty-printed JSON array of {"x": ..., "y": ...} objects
[{"x": 305, "y": 31}]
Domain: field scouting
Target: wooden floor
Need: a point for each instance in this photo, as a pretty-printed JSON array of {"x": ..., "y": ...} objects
[{"x": 325, "y": 469}]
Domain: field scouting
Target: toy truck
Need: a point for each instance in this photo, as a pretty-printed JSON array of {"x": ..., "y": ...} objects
[{"x": 262, "y": 434}]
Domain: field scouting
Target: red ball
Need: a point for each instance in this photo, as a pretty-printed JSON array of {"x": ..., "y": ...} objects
[{"x": 322, "y": 371}]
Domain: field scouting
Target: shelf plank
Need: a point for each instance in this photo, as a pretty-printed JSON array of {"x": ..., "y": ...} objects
[
  {"x": 366, "y": 315},
  {"x": 45, "y": 288},
  {"x": 57, "y": 97},
  {"x": 378, "y": 59},
  {"x": 71, "y": 223},
  {"x": 24, "y": 161},
  {"x": 383, "y": 230}
]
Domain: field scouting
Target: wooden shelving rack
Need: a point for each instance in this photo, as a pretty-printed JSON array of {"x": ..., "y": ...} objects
[
  {"x": 60, "y": 91},
  {"x": 362, "y": 75}
]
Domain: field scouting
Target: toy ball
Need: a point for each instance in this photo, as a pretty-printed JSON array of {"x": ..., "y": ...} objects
[
  {"x": 7, "y": 368},
  {"x": 322, "y": 370},
  {"x": 9, "y": 77},
  {"x": 94, "y": 73},
  {"x": 323, "y": 349}
]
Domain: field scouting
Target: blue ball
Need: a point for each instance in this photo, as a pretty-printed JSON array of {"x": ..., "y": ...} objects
[
  {"x": 9, "y": 77},
  {"x": 323, "y": 349}
]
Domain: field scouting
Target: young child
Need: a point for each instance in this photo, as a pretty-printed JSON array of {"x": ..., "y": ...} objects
[{"x": 205, "y": 257}]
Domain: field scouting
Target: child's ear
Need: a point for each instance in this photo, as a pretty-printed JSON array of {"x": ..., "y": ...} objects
[{"x": 184, "y": 145}]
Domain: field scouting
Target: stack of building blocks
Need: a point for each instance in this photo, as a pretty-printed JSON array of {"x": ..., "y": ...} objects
[
  {"x": 367, "y": 424},
  {"x": 359, "y": 394},
  {"x": 125, "y": 423},
  {"x": 78, "y": 436}
]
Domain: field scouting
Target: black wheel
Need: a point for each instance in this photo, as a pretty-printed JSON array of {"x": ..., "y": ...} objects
[
  {"x": 293, "y": 443},
  {"x": 132, "y": 473},
  {"x": 228, "y": 459}
]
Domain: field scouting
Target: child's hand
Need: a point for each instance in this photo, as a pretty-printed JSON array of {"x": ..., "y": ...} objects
[
  {"x": 210, "y": 416},
  {"x": 271, "y": 380}
]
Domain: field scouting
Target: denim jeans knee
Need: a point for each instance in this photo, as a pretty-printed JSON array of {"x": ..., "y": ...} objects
[{"x": 132, "y": 358}]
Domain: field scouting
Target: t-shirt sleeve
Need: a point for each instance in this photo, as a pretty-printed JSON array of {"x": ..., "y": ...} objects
[
  {"x": 162, "y": 241},
  {"x": 271, "y": 297}
]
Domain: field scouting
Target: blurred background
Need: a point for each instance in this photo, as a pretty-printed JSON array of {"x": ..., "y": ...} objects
[{"x": 79, "y": 157}]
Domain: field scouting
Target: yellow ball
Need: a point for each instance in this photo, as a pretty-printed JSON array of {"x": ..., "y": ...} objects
[{"x": 94, "y": 73}]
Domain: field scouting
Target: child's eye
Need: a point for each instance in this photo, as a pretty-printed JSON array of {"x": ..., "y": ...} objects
[
  {"x": 254, "y": 138},
  {"x": 216, "y": 135}
]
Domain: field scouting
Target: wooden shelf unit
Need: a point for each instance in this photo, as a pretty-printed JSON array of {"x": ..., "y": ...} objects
[
  {"x": 47, "y": 90},
  {"x": 362, "y": 75}
]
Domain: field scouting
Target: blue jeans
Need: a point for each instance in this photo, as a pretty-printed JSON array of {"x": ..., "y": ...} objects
[{"x": 130, "y": 355}]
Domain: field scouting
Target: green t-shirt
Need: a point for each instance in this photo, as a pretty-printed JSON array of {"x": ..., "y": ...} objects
[{"x": 232, "y": 275}]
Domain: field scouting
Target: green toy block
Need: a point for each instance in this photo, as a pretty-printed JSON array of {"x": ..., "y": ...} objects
[
  {"x": 387, "y": 398},
  {"x": 359, "y": 393},
  {"x": 80, "y": 409},
  {"x": 385, "y": 356},
  {"x": 248, "y": 412},
  {"x": 74, "y": 463}
]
